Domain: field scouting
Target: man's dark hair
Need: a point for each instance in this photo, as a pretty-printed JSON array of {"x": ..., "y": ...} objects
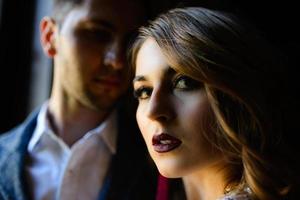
[{"x": 62, "y": 7}]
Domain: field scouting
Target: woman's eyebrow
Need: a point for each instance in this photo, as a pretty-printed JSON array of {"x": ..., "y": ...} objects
[
  {"x": 138, "y": 78},
  {"x": 169, "y": 72}
]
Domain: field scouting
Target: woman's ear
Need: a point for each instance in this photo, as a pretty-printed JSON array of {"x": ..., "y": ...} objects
[{"x": 48, "y": 30}]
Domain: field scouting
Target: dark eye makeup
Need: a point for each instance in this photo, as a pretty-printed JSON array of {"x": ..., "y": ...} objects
[
  {"x": 183, "y": 82},
  {"x": 177, "y": 82},
  {"x": 142, "y": 92}
]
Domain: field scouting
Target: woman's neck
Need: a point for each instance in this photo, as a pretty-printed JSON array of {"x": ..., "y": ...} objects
[{"x": 207, "y": 184}]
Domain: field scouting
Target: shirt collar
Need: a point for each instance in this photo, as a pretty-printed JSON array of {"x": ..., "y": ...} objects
[
  {"x": 107, "y": 130},
  {"x": 110, "y": 133},
  {"x": 42, "y": 126}
]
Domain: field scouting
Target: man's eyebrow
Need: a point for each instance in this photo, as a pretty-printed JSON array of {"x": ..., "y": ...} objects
[
  {"x": 99, "y": 22},
  {"x": 138, "y": 78}
]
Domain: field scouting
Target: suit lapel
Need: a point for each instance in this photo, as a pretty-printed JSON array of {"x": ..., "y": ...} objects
[
  {"x": 13, "y": 148},
  {"x": 103, "y": 195}
]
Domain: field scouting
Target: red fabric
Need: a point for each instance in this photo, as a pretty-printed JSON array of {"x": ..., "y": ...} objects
[{"x": 162, "y": 188}]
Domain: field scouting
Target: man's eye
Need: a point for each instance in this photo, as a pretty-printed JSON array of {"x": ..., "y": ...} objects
[
  {"x": 142, "y": 93},
  {"x": 185, "y": 83},
  {"x": 129, "y": 39},
  {"x": 100, "y": 34},
  {"x": 96, "y": 35}
]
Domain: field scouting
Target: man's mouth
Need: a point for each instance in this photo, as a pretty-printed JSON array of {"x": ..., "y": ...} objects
[{"x": 114, "y": 81}]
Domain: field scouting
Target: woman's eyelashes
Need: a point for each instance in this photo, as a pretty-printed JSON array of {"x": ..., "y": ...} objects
[
  {"x": 183, "y": 82},
  {"x": 179, "y": 82},
  {"x": 142, "y": 92}
]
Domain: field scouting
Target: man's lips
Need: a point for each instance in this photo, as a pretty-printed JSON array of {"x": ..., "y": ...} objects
[
  {"x": 110, "y": 81},
  {"x": 164, "y": 142}
]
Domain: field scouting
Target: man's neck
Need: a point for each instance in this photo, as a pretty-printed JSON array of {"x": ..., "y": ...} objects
[{"x": 72, "y": 120}]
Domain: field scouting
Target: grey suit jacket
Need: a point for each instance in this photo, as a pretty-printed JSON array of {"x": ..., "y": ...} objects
[{"x": 131, "y": 175}]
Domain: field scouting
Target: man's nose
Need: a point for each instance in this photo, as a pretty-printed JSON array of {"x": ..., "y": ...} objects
[
  {"x": 161, "y": 107},
  {"x": 115, "y": 57}
]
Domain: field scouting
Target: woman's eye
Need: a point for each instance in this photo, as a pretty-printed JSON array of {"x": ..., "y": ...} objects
[
  {"x": 142, "y": 93},
  {"x": 185, "y": 83}
]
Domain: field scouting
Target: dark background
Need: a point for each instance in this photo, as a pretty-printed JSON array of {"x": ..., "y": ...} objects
[
  {"x": 276, "y": 19},
  {"x": 16, "y": 28}
]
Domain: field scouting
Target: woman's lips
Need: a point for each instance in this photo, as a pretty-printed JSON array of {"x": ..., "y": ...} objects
[{"x": 164, "y": 142}]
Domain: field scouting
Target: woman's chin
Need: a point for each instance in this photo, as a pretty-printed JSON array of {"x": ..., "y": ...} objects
[{"x": 169, "y": 172}]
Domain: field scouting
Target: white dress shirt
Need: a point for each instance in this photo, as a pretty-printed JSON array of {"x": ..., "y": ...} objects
[{"x": 56, "y": 171}]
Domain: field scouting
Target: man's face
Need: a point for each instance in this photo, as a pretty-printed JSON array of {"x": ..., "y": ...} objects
[{"x": 90, "y": 59}]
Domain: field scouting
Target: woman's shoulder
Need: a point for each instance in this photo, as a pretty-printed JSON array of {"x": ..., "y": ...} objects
[{"x": 244, "y": 194}]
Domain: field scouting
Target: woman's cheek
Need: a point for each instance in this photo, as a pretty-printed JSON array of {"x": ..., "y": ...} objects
[{"x": 142, "y": 123}]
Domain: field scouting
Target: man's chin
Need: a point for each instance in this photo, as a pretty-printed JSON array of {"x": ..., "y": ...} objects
[{"x": 104, "y": 103}]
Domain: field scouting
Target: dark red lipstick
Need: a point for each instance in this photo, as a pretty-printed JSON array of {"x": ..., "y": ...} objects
[{"x": 163, "y": 143}]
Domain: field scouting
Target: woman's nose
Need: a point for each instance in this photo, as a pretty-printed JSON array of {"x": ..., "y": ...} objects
[{"x": 160, "y": 107}]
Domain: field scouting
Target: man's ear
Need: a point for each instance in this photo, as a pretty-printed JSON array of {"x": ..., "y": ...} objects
[{"x": 48, "y": 30}]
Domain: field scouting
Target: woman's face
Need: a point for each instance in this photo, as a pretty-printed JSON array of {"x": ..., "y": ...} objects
[{"x": 173, "y": 114}]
